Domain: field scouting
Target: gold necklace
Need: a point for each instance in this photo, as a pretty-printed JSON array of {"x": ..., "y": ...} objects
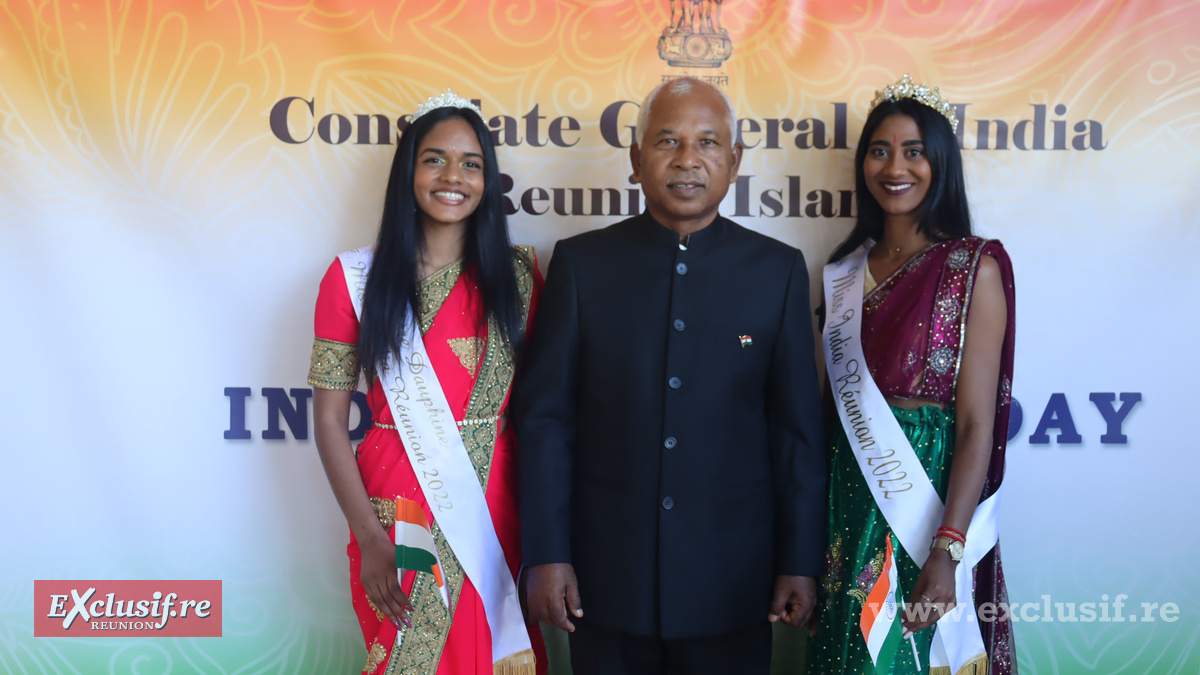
[{"x": 888, "y": 250}]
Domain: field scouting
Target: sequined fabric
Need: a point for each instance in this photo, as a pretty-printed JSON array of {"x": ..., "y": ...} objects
[
  {"x": 914, "y": 343},
  {"x": 914, "y": 331},
  {"x": 334, "y": 365},
  {"x": 857, "y": 530}
]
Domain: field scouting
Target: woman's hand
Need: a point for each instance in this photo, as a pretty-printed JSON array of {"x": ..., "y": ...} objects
[
  {"x": 933, "y": 596},
  {"x": 974, "y": 416},
  {"x": 381, "y": 581},
  {"x": 377, "y": 571}
]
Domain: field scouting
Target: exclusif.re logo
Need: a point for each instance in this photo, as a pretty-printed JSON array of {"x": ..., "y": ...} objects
[
  {"x": 98, "y": 608},
  {"x": 695, "y": 38}
]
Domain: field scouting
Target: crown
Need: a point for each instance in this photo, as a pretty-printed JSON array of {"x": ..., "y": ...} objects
[
  {"x": 446, "y": 100},
  {"x": 906, "y": 88}
]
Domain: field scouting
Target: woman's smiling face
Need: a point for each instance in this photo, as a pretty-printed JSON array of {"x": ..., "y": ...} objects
[
  {"x": 448, "y": 178},
  {"x": 896, "y": 168}
]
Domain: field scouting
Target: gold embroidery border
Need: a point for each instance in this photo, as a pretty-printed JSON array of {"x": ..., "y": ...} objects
[
  {"x": 433, "y": 291},
  {"x": 495, "y": 377},
  {"x": 467, "y": 349},
  {"x": 333, "y": 365},
  {"x": 491, "y": 387},
  {"x": 979, "y": 665},
  {"x": 375, "y": 656},
  {"x": 421, "y": 646},
  {"x": 524, "y": 263},
  {"x": 385, "y": 511},
  {"x": 378, "y": 613}
]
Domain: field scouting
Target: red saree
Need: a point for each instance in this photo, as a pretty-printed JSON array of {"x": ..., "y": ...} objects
[{"x": 476, "y": 377}]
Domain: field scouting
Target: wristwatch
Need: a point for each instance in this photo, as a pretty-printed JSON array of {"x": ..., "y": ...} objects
[{"x": 951, "y": 546}]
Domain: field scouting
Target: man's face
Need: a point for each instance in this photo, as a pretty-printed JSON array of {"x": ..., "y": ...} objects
[{"x": 688, "y": 158}]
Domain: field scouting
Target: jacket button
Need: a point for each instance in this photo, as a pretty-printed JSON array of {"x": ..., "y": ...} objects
[
  {"x": 681, "y": 268},
  {"x": 668, "y": 503},
  {"x": 678, "y": 324},
  {"x": 674, "y": 383},
  {"x": 669, "y": 443}
]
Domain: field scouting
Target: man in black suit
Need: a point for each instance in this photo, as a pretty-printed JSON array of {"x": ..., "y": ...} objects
[{"x": 672, "y": 467}]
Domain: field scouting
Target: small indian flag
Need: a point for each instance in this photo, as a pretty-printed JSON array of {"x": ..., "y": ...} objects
[
  {"x": 415, "y": 549},
  {"x": 880, "y": 622}
]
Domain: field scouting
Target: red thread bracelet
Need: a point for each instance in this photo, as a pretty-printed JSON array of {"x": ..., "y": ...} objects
[{"x": 951, "y": 533}]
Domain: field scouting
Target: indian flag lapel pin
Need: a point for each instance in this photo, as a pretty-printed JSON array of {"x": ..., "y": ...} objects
[{"x": 745, "y": 340}]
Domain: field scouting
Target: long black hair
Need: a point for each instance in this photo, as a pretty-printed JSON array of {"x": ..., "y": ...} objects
[
  {"x": 392, "y": 284},
  {"x": 944, "y": 213}
]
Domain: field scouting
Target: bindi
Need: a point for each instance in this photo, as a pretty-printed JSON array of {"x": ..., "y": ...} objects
[{"x": 895, "y": 139}]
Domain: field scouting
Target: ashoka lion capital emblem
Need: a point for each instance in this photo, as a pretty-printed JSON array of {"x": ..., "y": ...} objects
[{"x": 695, "y": 38}]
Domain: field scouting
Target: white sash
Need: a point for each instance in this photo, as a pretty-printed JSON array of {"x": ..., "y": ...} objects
[
  {"x": 902, "y": 490},
  {"x": 447, "y": 477}
]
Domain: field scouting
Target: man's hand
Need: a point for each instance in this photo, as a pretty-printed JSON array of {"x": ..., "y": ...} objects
[
  {"x": 553, "y": 593},
  {"x": 794, "y": 600}
]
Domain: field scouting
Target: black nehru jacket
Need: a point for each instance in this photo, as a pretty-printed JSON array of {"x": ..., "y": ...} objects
[{"x": 670, "y": 430}]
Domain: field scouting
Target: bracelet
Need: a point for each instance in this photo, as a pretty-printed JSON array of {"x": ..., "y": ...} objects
[{"x": 951, "y": 533}]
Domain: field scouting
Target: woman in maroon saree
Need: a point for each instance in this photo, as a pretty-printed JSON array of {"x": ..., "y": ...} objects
[{"x": 938, "y": 331}]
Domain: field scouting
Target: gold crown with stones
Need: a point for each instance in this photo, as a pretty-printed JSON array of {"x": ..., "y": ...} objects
[
  {"x": 906, "y": 88},
  {"x": 446, "y": 100}
]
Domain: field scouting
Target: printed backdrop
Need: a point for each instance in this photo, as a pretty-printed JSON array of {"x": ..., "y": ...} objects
[{"x": 176, "y": 176}]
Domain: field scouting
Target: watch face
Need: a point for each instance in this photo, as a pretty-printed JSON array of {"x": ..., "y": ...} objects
[{"x": 956, "y": 550}]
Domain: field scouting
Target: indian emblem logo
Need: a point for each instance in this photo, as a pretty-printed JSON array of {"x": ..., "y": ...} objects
[{"x": 695, "y": 38}]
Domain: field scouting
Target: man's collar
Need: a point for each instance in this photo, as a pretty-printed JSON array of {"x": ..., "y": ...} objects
[{"x": 702, "y": 238}]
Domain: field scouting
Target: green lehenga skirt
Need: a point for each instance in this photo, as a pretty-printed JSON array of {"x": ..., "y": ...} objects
[{"x": 854, "y": 559}]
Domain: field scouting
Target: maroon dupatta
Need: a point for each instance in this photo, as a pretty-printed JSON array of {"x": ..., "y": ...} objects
[{"x": 913, "y": 332}]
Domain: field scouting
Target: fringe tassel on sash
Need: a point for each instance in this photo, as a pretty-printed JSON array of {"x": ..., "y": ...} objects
[
  {"x": 521, "y": 663},
  {"x": 976, "y": 666}
]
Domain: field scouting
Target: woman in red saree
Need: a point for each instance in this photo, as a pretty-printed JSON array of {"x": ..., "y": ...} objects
[
  {"x": 443, "y": 250},
  {"x": 937, "y": 334}
]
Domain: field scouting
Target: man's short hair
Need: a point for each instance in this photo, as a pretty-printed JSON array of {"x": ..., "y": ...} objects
[{"x": 682, "y": 85}]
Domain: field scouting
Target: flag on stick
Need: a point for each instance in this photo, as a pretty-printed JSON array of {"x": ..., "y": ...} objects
[
  {"x": 880, "y": 621},
  {"x": 415, "y": 549}
]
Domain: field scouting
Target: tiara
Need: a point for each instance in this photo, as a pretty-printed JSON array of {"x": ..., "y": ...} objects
[
  {"x": 446, "y": 100},
  {"x": 906, "y": 88}
]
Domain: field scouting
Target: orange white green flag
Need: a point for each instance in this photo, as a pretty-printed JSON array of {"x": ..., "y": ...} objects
[
  {"x": 415, "y": 549},
  {"x": 880, "y": 621}
]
